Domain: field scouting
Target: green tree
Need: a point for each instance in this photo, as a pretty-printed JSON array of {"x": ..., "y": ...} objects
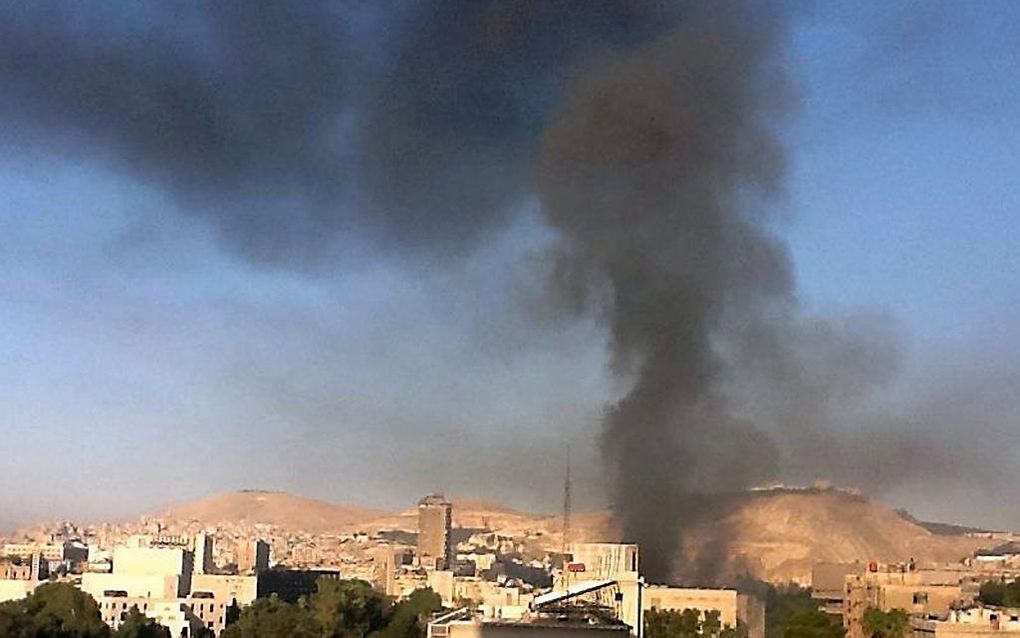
[
  {"x": 668, "y": 623},
  {"x": 14, "y": 622},
  {"x": 812, "y": 624},
  {"x": 407, "y": 619},
  {"x": 885, "y": 624},
  {"x": 347, "y": 608},
  {"x": 690, "y": 623},
  {"x": 138, "y": 625},
  {"x": 274, "y": 618},
  {"x": 1000, "y": 593},
  {"x": 711, "y": 625},
  {"x": 781, "y": 604},
  {"x": 661, "y": 624},
  {"x": 733, "y": 632},
  {"x": 53, "y": 610},
  {"x": 993, "y": 592}
]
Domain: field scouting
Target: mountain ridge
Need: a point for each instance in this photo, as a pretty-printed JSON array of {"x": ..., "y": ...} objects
[{"x": 776, "y": 535}]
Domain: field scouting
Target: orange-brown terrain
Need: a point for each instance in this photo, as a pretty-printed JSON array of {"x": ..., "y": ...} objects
[{"x": 776, "y": 535}]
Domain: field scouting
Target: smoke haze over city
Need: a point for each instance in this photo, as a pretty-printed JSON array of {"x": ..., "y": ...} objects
[{"x": 359, "y": 253}]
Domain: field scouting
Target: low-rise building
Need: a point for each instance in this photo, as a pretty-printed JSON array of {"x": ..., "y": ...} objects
[
  {"x": 578, "y": 624},
  {"x": 972, "y": 621}
]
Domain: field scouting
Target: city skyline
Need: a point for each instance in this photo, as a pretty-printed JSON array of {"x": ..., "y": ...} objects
[{"x": 150, "y": 353}]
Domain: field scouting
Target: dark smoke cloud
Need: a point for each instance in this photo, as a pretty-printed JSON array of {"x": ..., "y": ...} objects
[
  {"x": 450, "y": 134},
  {"x": 647, "y": 130},
  {"x": 236, "y": 108},
  {"x": 655, "y": 172},
  {"x": 289, "y": 122}
]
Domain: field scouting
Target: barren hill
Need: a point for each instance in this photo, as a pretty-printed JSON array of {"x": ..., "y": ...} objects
[
  {"x": 780, "y": 534},
  {"x": 274, "y": 508},
  {"x": 776, "y": 535},
  {"x": 471, "y": 513}
]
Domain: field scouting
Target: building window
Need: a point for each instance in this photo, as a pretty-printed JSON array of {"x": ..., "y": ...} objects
[{"x": 920, "y": 598}]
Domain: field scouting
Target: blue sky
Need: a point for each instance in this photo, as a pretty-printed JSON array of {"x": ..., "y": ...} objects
[{"x": 143, "y": 361}]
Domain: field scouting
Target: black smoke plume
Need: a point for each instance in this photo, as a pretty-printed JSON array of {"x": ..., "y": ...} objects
[{"x": 654, "y": 172}]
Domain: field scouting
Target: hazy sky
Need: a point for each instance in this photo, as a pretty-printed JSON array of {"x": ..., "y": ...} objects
[{"x": 144, "y": 359}]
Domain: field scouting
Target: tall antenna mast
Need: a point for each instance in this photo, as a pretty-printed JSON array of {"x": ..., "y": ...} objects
[{"x": 566, "y": 510}]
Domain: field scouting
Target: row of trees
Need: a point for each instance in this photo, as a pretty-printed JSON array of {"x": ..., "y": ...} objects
[
  {"x": 338, "y": 609},
  {"x": 688, "y": 623},
  {"x": 59, "y": 610},
  {"x": 1000, "y": 593}
]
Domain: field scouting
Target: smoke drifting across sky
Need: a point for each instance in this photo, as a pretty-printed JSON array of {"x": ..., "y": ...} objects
[{"x": 647, "y": 135}]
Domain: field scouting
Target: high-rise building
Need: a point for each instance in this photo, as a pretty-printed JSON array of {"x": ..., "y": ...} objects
[
  {"x": 202, "y": 549},
  {"x": 252, "y": 557},
  {"x": 435, "y": 517}
]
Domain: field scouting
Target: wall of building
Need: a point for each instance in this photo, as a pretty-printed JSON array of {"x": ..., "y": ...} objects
[
  {"x": 435, "y": 517},
  {"x": 14, "y": 589},
  {"x": 172, "y": 613},
  {"x": 252, "y": 556},
  {"x": 151, "y": 560},
  {"x": 751, "y": 615},
  {"x": 679, "y": 598},
  {"x": 134, "y": 585},
  {"x": 468, "y": 629},
  {"x": 442, "y": 582},
  {"x": 243, "y": 589},
  {"x": 914, "y": 593}
]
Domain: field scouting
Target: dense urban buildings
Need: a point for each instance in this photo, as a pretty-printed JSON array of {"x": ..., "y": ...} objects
[{"x": 192, "y": 576}]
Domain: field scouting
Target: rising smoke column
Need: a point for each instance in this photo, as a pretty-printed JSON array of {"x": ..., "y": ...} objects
[{"x": 657, "y": 173}]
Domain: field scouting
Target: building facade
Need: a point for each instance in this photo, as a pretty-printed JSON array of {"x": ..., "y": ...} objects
[{"x": 435, "y": 519}]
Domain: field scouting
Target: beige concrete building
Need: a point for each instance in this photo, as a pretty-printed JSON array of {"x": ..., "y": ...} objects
[
  {"x": 252, "y": 557},
  {"x": 630, "y": 597},
  {"x": 618, "y": 562},
  {"x": 921, "y": 593},
  {"x": 202, "y": 551},
  {"x": 972, "y": 622},
  {"x": 663, "y": 598},
  {"x": 435, "y": 518},
  {"x": 225, "y": 587},
  {"x": 153, "y": 560},
  {"x": 828, "y": 584},
  {"x": 734, "y": 609},
  {"x": 66, "y": 555},
  {"x": 20, "y": 576},
  {"x": 16, "y": 588},
  {"x": 160, "y": 581},
  {"x": 441, "y": 582},
  {"x": 172, "y": 614},
  {"x": 18, "y": 568},
  {"x": 388, "y": 560}
]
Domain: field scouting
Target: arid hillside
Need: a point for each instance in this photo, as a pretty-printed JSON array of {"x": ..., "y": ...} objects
[
  {"x": 474, "y": 514},
  {"x": 778, "y": 535},
  {"x": 273, "y": 508},
  {"x": 775, "y": 535}
]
